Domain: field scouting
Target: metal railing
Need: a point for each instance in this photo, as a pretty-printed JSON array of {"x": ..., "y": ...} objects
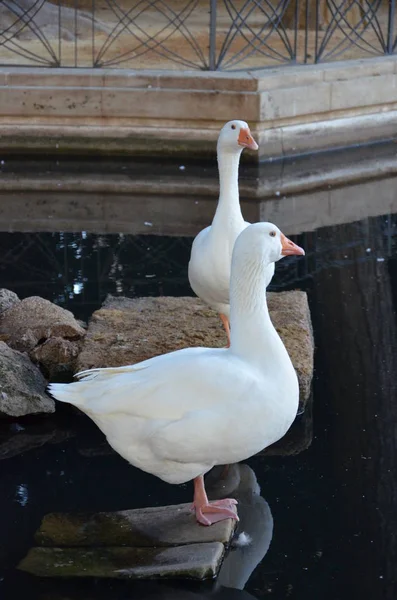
[{"x": 193, "y": 34}]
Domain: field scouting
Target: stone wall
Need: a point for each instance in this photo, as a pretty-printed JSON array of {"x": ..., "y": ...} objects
[{"x": 156, "y": 113}]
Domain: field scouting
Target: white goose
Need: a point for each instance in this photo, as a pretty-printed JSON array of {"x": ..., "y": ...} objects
[
  {"x": 179, "y": 414},
  {"x": 211, "y": 255}
]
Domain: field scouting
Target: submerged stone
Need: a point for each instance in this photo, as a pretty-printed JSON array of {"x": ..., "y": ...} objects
[
  {"x": 154, "y": 542},
  {"x": 143, "y": 527},
  {"x": 194, "y": 561},
  {"x": 16, "y": 438}
]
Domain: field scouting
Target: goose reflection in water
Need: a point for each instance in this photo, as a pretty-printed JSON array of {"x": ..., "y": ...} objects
[
  {"x": 256, "y": 522},
  {"x": 255, "y": 529}
]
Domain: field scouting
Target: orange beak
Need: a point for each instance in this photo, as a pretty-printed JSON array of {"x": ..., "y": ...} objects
[
  {"x": 245, "y": 139},
  {"x": 289, "y": 248}
]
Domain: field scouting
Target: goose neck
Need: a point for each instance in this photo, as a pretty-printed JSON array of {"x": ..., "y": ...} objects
[
  {"x": 253, "y": 335},
  {"x": 228, "y": 165}
]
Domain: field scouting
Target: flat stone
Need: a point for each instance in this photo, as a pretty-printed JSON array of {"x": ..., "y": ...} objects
[
  {"x": 34, "y": 320},
  {"x": 125, "y": 331},
  {"x": 21, "y": 385},
  {"x": 143, "y": 527},
  {"x": 193, "y": 561},
  {"x": 7, "y": 299}
]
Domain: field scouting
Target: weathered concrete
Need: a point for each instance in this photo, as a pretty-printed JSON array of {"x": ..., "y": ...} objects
[
  {"x": 156, "y": 113},
  {"x": 126, "y": 331},
  {"x": 21, "y": 385},
  {"x": 143, "y": 527},
  {"x": 195, "y": 561}
]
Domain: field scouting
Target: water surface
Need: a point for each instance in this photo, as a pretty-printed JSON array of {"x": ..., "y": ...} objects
[{"x": 323, "y": 522}]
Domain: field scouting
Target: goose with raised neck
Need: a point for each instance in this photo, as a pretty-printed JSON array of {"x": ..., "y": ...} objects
[
  {"x": 211, "y": 254},
  {"x": 179, "y": 414}
]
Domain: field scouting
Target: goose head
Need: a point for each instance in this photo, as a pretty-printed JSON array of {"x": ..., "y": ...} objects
[
  {"x": 264, "y": 243},
  {"x": 234, "y": 137}
]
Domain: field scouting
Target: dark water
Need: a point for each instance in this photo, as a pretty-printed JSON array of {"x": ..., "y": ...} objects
[{"x": 324, "y": 522}]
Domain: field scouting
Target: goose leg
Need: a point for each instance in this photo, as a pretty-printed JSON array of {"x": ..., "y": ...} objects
[
  {"x": 225, "y": 322},
  {"x": 207, "y": 512}
]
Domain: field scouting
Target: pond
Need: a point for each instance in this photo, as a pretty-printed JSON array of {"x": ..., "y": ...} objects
[{"x": 323, "y": 522}]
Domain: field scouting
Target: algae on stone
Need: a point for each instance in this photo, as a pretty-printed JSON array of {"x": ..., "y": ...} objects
[
  {"x": 195, "y": 561},
  {"x": 143, "y": 527}
]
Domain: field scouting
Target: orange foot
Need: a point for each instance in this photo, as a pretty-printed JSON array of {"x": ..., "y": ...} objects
[
  {"x": 208, "y": 514},
  {"x": 226, "y": 325}
]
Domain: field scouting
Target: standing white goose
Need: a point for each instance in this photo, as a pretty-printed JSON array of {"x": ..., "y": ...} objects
[
  {"x": 179, "y": 414},
  {"x": 211, "y": 255}
]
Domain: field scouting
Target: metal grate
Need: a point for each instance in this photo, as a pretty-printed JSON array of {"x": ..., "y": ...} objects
[{"x": 192, "y": 34}]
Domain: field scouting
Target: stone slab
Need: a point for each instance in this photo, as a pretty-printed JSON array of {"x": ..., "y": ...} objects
[
  {"x": 143, "y": 527},
  {"x": 193, "y": 561},
  {"x": 126, "y": 331}
]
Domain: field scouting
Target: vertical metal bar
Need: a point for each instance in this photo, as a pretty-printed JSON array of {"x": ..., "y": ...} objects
[
  {"x": 93, "y": 33},
  {"x": 296, "y": 30},
  {"x": 59, "y": 35},
  {"x": 390, "y": 27},
  {"x": 212, "y": 48},
  {"x": 317, "y": 25},
  {"x": 307, "y": 27},
  {"x": 75, "y": 31}
]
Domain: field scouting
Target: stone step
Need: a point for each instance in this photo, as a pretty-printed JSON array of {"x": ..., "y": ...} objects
[
  {"x": 193, "y": 561},
  {"x": 143, "y": 527},
  {"x": 163, "y": 541}
]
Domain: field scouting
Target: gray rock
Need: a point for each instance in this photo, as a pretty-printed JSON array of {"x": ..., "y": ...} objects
[
  {"x": 35, "y": 320},
  {"x": 21, "y": 385},
  {"x": 7, "y": 299},
  {"x": 193, "y": 561}
]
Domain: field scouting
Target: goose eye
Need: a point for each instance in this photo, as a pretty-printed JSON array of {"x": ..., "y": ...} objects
[
  {"x": 233, "y": 126},
  {"x": 272, "y": 234}
]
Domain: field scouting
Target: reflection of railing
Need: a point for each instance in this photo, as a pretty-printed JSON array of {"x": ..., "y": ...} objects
[
  {"x": 78, "y": 270},
  {"x": 193, "y": 34}
]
